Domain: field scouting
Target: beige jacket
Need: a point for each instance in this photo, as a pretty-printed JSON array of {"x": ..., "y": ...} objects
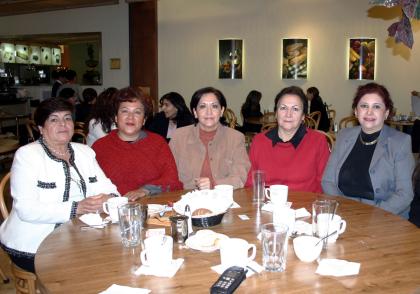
[{"x": 229, "y": 160}]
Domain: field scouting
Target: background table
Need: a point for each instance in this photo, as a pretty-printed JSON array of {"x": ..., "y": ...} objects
[{"x": 388, "y": 248}]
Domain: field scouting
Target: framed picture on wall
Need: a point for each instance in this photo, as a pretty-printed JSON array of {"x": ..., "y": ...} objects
[
  {"x": 294, "y": 59},
  {"x": 230, "y": 59},
  {"x": 362, "y": 53}
]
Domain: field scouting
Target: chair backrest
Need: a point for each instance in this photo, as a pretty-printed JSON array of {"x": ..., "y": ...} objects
[
  {"x": 32, "y": 129},
  {"x": 309, "y": 122},
  {"x": 316, "y": 115},
  {"x": 230, "y": 117},
  {"x": 79, "y": 136},
  {"x": 349, "y": 121},
  {"x": 330, "y": 139},
  {"x": 3, "y": 207},
  {"x": 268, "y": 126}
]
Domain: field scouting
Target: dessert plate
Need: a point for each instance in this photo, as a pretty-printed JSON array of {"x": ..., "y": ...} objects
[{"x": 205, "y": 240}]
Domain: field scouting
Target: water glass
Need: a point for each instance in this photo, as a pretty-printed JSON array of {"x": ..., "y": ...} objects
[
  {"x": 130, "y": 224},
  {"x": 322, "y": 212},
  {"x": 274, "y": 247},
  {"x": 258, "y": 182}
]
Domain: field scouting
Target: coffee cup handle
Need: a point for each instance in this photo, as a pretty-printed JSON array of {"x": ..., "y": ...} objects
[
  {"x": 267, "y": 195},
  {"x": 254, "y": 250},
  {"x": 143, "y": 258},
  {"x": 105, "y": 207},
  {"x": 343, "y": 226}
]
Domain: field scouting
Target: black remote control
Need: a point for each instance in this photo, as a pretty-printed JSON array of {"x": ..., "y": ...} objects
[{"x": 229, "y": 280}]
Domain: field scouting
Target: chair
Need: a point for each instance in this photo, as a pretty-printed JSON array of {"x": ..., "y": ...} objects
[
  {"x": 316, "y": 115},
  {"x": 25, "y": 282},
  {"x": 230, "y": 117},
  {"x": 78, "y": 125},
  {"x": 79, "y": 136},
  {"x": 331, "y": 116},
  {"x": 268, "y": 126},
  {"x": 309, "y": 122},
  {"x": 330, "y": 139},
  {"x": 348, "y": 121},
  {"x": 32, "y": 129}
]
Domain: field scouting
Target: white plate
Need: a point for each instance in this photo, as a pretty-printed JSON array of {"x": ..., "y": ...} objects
[
  {"x": 155, "y": 209},
  {"x": 196, "y": 242}
]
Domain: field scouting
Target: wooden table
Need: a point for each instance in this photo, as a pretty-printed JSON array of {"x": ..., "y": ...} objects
[
  {"x": 400, "y": 124},
  {"x": 388, "y": 248}
]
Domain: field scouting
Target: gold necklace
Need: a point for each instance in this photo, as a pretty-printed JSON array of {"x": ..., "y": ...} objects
[
  {"x": 57, "y": 152},
  {"x": 367, "y": 143}
]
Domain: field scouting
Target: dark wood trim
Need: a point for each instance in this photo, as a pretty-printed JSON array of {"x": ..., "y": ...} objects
[{"x": 144, "y": 46}]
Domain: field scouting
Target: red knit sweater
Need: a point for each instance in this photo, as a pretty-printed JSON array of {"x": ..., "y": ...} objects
[
  {"x": 133, "y": 165},
  {"x": 301, "y": 169}
]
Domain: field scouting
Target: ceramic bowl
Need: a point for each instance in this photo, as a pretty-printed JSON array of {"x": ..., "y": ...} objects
[{"x": 305, "y": 248}]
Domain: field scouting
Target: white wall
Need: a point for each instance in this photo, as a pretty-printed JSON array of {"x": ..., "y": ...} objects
[
  {"x": 111, "y": 21},
  {"x": 189, "y": 31}
]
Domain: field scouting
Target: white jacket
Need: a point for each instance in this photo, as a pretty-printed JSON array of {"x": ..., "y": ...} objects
[{"x": 40, "y": 187}]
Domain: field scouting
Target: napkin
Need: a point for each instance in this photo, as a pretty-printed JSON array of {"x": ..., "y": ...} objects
[
  {"x": 302, "y": 212},
  {"x": 269, "y": 206},
  {"x": 337, "y": 268},
  {"x": 91, "y": 219},
  {"x": 303, "y": 228},
  {"x": 117, "y": 289},
  {"x": 166, "y": 272},
  {"x": 235, "y": 205},
  {"x": 252, "y": 267}
]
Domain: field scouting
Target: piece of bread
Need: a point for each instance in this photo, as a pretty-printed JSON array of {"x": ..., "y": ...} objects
[{"x": 201, "y": 212}]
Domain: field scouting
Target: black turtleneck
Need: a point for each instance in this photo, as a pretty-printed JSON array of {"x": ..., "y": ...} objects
[{"x": 354, "y": 179}]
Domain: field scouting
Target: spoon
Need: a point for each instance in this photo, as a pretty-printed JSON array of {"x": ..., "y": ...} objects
[{"x": 333, "y": 233}]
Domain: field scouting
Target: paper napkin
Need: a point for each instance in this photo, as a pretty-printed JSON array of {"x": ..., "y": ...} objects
[
  {"x": 252, "y": 267},
  {"x": 302, "y": 212},
  {"x": 91, "y": 219},
  {"x": 235, "y": 205},
  {"x": 166, "y": 272},
  {"x": 337, "y": 268},
  {"x": 117, "y": 289}
]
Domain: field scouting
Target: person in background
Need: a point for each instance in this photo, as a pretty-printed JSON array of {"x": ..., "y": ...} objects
[
  {"x": 209, "y": 153},
  {"x": 290, "y": 154},
  {"x": 372, "y": 163},
  {"x": 84, "y": 109},
  {"x": 101, "y": 120},
  {"x": 175, "y": 114},
  {"x": 317, "y": 104},
  {"x": 68, "y": 94},
  {"x": 251, "y": 108},
  {"x": 52, "y": 181},
  {"x": 138, "y": 162},
  {"x": 414, "y": 215},
  {"x": 60, "y": 78},
  {"x": 71, "y": 82}
]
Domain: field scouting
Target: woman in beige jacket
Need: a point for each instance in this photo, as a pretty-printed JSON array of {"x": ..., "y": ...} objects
[{"x": 209, "y": 153}]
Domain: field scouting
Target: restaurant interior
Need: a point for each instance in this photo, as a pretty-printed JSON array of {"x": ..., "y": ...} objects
[{"x": 173, "y": 45}]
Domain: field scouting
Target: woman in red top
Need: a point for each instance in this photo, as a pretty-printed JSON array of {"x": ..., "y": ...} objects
[
  {"x": 138, "y": 162},
  {"x": 290, "y": 154}
]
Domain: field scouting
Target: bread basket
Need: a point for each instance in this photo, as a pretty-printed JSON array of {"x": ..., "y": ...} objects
[{"x": 208, "y": 199}]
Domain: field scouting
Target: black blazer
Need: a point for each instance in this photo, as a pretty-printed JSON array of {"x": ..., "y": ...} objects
[
  {"x": 159, "y": 123},
  {"x": 318, "y": 105}
]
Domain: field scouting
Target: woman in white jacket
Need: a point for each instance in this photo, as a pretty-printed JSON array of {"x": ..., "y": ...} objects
[{"x": 52, "y": 180}]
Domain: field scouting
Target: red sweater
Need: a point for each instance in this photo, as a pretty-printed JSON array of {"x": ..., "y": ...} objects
[
  {"x": 133, "y": 165},
  {"x": 301, "y": 169}
]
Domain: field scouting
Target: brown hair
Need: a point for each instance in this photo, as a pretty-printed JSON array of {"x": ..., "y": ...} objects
[
  {"x": 131, "y": 94},
  {"x": 374, "y": 88}
]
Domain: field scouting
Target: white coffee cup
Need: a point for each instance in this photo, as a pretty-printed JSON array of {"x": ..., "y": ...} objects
[
  {"x": 283, "y": 214},
  {"x": 158, "y": 251},
  {"x": 277, "y": 194},
  {"x": 111, "y": 207},
  {"x": 336, "y": 224},
  {"x": 224, "y": 191},
  {"x": 234, "y": 251}
]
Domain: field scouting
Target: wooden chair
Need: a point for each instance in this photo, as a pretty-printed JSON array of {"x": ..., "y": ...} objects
[
  {"x": 269, "y": 117},
  {"x": 268, "y": 126},
  {"x": 32, "y": 129},
  {"x": 79, "y": 136},
  {"x": 25, "y": 282},
  {"x": 309, "y": 122},
  {"x": 316, "y": 115},
  {"x": 330, "y": 139},
  {"x": 348, "y": 121},
  {"x": 331, "y": 116},
  {"x": 230, "y": 117}
]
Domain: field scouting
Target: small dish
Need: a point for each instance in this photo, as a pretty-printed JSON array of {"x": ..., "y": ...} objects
[
  {"x": 153, "y": 209},
  {"x": 205, "y": 241}
]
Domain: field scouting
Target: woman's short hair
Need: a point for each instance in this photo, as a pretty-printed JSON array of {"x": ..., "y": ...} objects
[
  {"x": 131, "y": 94},
  {"x": 292, "y": 90},
  {"x": 314, "y": 91},
  {"x": 374, "y": 88},
  {"x": 207, "y": 90},
  {"x": 48, "y": 107},
  {"x": 177, "y": 101}
]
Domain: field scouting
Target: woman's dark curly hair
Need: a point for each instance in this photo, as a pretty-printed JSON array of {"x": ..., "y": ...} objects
[{"x": 103, "y": 110}]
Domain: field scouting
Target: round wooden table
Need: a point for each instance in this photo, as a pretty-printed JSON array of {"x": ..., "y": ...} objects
[{"x": 74, "y": 261}]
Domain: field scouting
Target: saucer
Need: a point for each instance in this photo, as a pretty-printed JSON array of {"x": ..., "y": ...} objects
[
  {"x": 153, "y": 209},
  {"x": 205, "y": 242}
]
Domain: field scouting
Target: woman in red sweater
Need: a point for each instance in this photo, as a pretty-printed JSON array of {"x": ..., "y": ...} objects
[
  {"x": 138, "y": 162},
  {"x": 290, "y": 154}
]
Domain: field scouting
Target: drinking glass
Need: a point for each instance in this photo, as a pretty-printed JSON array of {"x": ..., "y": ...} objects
[
  {"x": 322, "y": 213},
  {"x": 274, "y": 247},
  {"x": 258, "y": 182},
  {"x": 130, "y": 224}
]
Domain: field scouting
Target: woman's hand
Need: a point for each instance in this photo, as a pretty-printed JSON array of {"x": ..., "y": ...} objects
[
  {"x": 203, "y": 183},
  {"x": 92, "y": 204},
  {"x": 137, "y": 194}
]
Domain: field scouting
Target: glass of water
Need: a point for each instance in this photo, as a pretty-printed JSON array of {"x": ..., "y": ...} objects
[
  {"x": 274, "y": 246},
  {"x": 130, "y": 224}
]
